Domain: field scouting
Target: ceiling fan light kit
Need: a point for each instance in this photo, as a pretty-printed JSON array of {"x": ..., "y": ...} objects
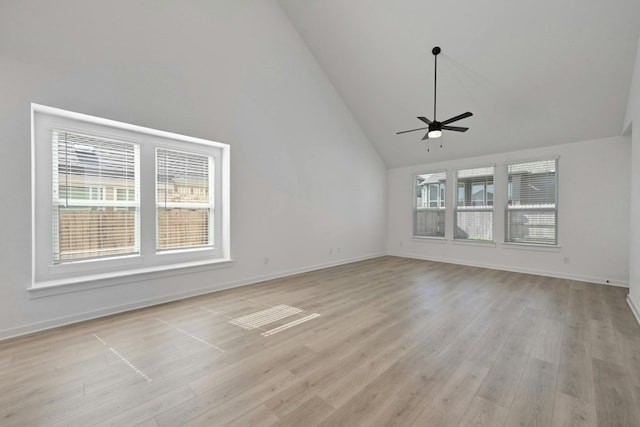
[{"x": 435, "y": 127}]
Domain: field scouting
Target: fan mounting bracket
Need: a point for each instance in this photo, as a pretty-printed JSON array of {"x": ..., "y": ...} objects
[{"x": 436, "y": 50}]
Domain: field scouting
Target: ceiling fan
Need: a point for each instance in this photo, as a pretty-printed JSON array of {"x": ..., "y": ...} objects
[{"x": 435, "y": 127}]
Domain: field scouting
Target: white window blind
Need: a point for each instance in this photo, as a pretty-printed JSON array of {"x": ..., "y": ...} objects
[
  {"x": 474, "y": 204},
  {"x": 429, "y": 210},
  {"x": 88, "y": 221},
  {"x": 184, "y": 199},
  {"x": 531, "y": 215}
]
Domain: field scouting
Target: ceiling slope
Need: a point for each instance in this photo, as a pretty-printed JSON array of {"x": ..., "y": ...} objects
[{"x": 533, "y": 73}]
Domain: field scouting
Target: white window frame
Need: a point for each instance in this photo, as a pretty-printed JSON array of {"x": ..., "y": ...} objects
[
  {"x": 46, "y": 274},
  {"x": 457, "y": 208},
  {"x": 441, "y": 208},
  {"x": 90, "y": 202},
  {"x": 213, "y": 230},
  {"x": 507, "y": 209}
]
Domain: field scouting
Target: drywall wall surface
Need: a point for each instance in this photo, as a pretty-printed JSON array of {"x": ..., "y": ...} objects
[
  {"x": 593, "y": 214},
  {"x": 634, "y": 253},
  {"x": 633, "y": 121},
  {"x": 633, "y": 102},
  {"x": 307, "y": 187}
]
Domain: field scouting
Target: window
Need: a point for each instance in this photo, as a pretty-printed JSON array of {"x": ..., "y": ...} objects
[
  {"x": 112, "y": 199},
  {"x": 474, "y": 204},
  {"x": 86, "y": 225},
  {"x": 531, "y": 213},
  {"x": 184, "y": 200},
  {"x": 429, "y": 210}
]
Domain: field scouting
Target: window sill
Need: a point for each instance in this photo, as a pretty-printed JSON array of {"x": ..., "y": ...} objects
[
  {"x": 89, "y": 267},
  {"x": 86, "y": 282},
  {"x": 477, "y": 243},
  {"x": 532, "y": 247},
  {"x": 429, "y": 239}
]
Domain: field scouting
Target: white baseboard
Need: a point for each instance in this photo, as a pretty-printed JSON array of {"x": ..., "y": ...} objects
[
  {"x": 80, "y": 317},
  {"x": 634, "y": 309},
  {"x": 559, "y": 275}
]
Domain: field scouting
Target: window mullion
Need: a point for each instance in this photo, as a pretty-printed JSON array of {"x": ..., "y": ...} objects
[{"x": 147, "y": 196}]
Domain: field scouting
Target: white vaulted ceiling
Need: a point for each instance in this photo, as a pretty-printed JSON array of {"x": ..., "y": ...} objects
[{"x": 533, "y": 73}]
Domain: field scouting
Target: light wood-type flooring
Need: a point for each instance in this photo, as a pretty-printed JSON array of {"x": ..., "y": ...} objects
[{"x": 383, "y": 342}]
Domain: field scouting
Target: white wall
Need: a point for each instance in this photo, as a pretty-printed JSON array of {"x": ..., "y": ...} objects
[
  {"x": 633, "y": 120},
  {"x": 593, "y": 218},
  {"x": 304, "y": 176}
]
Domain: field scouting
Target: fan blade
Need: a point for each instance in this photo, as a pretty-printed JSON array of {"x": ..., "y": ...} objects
[
  {"x": 455, "y": 128},
  {"x": 426, "y": 136},
  {"x": 456, "y": 118},
  {"x": 412, "y": 130},
  {"x": 424, "y": 119}
]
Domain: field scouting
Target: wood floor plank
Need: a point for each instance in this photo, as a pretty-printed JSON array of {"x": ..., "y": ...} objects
[
  {"x": 386, "y": 401},
  {"x": 630, "y": 356},
  {"x": 339, "y": 379},
  {"x": 215, "y": 398},
  {"x": 256, "y": 417},
  {"x": 88, "y": 410},
  {"x": 360, "y": 410},
  {"x": 576, "y": 306},
  {"x": 603, "y": 341},
  {"x": 502, "y": 380},
  {"x": 533, "y": 402},
  {"x": 354, "y": 371},
  {"x": 487, "y": 351},
  {"x": 615, "y": 404},
  {"x": 619, "y": 315},
  {"x": 148, "y": 423},
  {"x": 230, "y": 410},
  {"x": 483, "y": 413},
  {"x": 596, "y": 306},
  {"x": 549, "y": 342},
  {"x": 571, "y": 412},
  {"x": 575, "y": 376},
  {"x": 558, "y": 306},
  {"x": 249, "y": 370},
  {"x": 149, "y": 409},
  {"x": 309, "y": 413},
  {"x": 433, "y": 373},
  {"x": 449, "y": 405}
]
